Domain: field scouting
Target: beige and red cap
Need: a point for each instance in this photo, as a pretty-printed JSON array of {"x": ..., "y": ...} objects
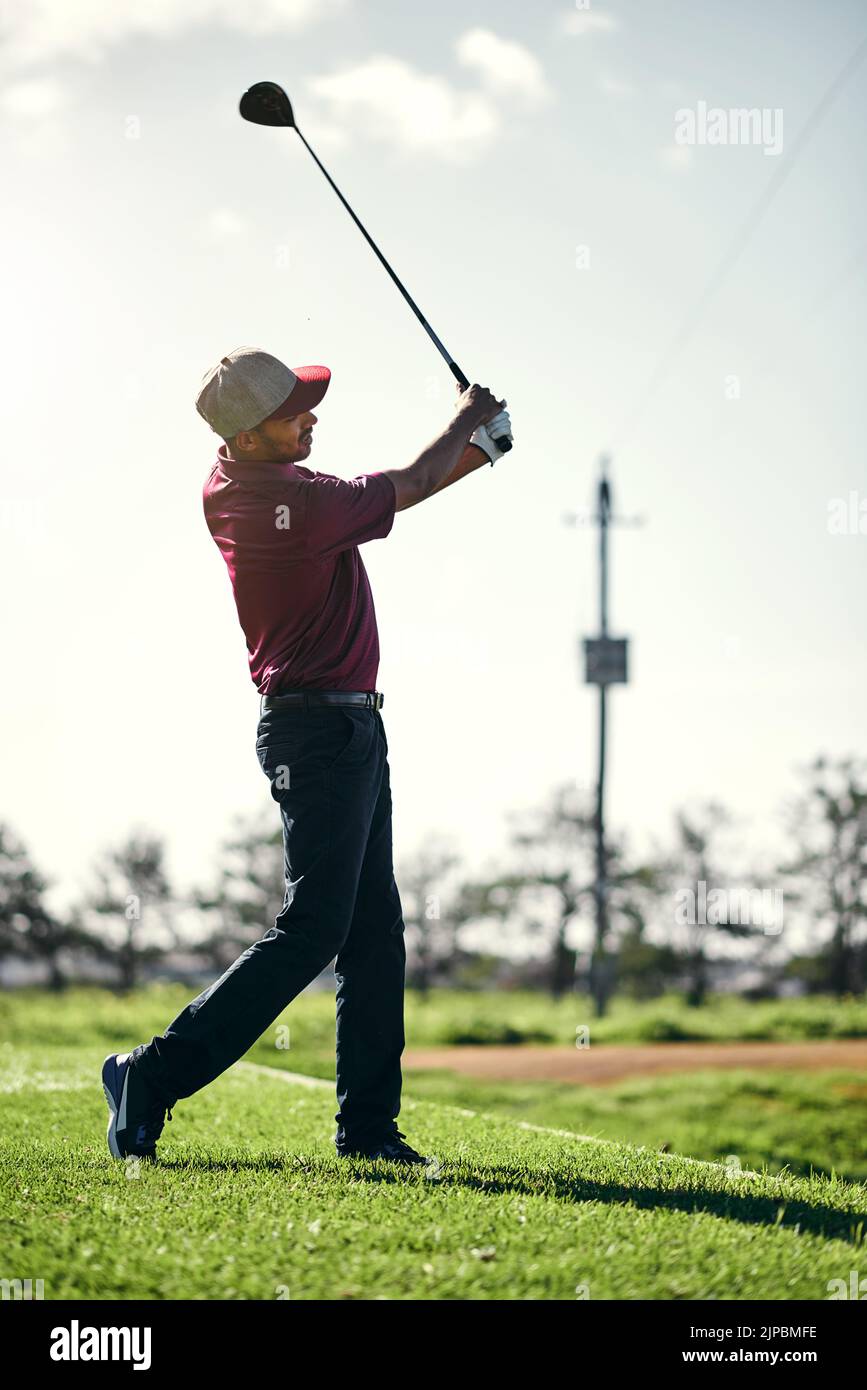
[{"x": 249, "y": 386}]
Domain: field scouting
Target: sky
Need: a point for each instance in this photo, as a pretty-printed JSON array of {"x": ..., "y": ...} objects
[{"x": 521, "y": 167}]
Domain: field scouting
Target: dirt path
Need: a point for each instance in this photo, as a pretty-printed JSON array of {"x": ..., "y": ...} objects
[{"x": 603, "y": 1063}]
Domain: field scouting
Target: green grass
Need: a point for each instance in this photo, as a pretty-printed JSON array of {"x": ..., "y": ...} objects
[
  {"x": 813, "y": 1122},
  {"x": 451, "y": 1017},
  {"x": 251, "y": 1201}
]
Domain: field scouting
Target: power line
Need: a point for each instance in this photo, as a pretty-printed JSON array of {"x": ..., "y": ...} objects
[{"x": 741, "y": 240}]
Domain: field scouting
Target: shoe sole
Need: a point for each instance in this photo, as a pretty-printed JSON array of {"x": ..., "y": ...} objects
[{"x": 384, "y": 1158}]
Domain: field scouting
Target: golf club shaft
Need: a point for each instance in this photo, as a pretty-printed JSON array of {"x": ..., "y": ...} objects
[{"x": 441, "y": 349}]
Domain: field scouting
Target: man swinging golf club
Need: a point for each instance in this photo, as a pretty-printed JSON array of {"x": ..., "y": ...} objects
[{"x": 290, "y": 538}]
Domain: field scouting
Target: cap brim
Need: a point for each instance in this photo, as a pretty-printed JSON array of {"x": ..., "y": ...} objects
[{"x": 310, "y": 387}]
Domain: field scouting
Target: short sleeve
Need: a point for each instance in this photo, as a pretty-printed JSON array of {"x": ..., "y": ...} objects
[{"x": 341, "y": 514}]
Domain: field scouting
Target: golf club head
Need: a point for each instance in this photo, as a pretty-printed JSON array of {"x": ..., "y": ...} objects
[{"x": 265, "y": 103}]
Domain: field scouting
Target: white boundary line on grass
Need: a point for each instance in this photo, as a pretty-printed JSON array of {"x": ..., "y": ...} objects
[{"x": 297, "y": 1078}]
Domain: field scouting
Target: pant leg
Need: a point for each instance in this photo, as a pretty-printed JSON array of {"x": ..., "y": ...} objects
[
  {"x": 331, "y": 759},
  {"x": 370, "y": 986}
]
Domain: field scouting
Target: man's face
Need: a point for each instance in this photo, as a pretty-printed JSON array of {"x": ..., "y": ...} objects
[{"x": 277, "y": 440}]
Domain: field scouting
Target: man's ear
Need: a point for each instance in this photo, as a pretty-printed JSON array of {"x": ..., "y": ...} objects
[{"x": 246, "y": 440}]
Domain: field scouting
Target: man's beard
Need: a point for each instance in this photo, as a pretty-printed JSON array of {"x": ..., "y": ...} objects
[{"x": 289, "y": 452}]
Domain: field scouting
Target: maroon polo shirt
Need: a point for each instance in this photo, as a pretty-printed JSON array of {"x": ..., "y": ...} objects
[{"x": 290, "y": 539}]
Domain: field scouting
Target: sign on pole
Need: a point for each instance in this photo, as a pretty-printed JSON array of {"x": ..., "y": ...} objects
[{"x": 605, "y": 661}]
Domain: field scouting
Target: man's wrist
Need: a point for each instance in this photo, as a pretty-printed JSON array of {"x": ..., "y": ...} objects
[{"x": 477, "y": 453}]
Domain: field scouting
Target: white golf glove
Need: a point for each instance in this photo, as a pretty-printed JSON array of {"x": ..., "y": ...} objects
[{"x": 486, "y": 436}]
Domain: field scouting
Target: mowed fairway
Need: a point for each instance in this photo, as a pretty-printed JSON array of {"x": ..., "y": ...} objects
[{"x": 251, "y": 1202}]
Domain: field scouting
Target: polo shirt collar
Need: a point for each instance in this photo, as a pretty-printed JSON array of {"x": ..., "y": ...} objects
[{"x": 256, "y": 470}]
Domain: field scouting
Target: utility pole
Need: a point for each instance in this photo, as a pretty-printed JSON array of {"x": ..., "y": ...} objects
[{"x": 605, "y": 663}]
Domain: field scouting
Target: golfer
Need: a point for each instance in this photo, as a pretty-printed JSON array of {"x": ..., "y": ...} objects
[{"x": 289, "y": 536}]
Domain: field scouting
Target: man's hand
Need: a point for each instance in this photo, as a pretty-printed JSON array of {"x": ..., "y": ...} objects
[
  {"x": 477, "y": 406},
  {"x": 478, "y": 401}
]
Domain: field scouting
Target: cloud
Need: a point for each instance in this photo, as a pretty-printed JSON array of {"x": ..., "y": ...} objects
[
  {"x": 33, "y": 99},
  {"x": 388, "y": 99},
  {"x": 322, "y": 132},
  {"x": 582, "y": 22},
  {"x": 383, "y": 97},
  {"x": 33, "y": 31},
  {"x": 502, "y": 64}
]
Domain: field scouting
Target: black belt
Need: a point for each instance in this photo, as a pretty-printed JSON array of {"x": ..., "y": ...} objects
[{"x": 370, "y": 699}]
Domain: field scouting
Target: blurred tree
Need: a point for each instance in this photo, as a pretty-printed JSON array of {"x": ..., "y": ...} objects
[
  {"x": 133, "y": 898},
  {"x": 429, "y": 899},
  {"x": 645, "y": 970},
  {"x": 695, "y": 860},
  {"x": 28, "y": 929},
  {"x": 553, "y": 888},
  {"x": 828, "y": 871},
  {"x": 249, "y": 892}
]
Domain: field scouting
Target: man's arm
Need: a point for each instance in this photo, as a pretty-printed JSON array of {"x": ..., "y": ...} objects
[
  {"x": 472, "y": 458},
  {"x": 450, "y": 456}
]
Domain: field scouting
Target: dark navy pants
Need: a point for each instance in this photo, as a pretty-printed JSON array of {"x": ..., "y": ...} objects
[{"x": 328, "y": 769}]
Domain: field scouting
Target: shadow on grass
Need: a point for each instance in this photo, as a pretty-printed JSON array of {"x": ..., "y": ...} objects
[
  {"x": 847, "y": 1224},
  {"x": 757, "y": 1209}
]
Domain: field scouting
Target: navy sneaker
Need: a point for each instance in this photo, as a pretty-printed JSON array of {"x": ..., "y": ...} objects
[
  {"x": 392, "y": 1147},
  {"x": 136, "y": 1117}
]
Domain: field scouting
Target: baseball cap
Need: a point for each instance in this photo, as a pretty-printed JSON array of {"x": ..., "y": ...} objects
[{"x": 248, "y": 387}]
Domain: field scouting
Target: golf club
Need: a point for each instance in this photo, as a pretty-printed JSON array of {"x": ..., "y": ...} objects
[{"x": 265, "y": 103}]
